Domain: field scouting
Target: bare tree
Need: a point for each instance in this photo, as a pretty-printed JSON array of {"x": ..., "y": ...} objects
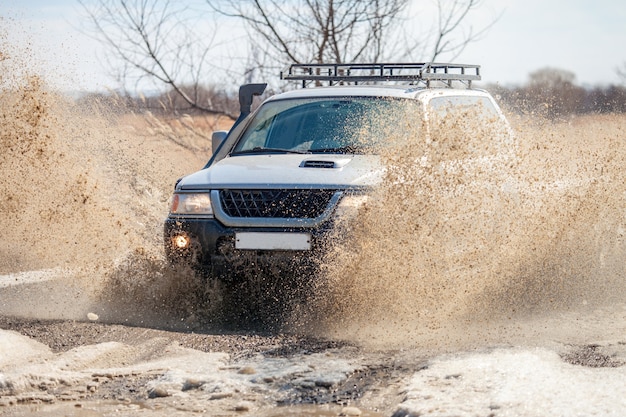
[
  {"x": 155, "y": 39},
  {"x": 552, "y": 93},
  {"x": 452, "y": 16},
  {"x": 321, "y": 31},
  {"x": 621, "y": 72},
  {"x": 340, "y": 31}
]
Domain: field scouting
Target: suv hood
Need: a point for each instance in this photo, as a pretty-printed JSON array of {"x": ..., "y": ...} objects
[{"x": 291, "y": 171}]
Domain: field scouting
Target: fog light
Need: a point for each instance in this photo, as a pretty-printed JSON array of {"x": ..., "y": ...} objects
[{"x": 181, "y": 241}]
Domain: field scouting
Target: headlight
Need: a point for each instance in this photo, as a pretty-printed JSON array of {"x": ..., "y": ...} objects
[
  {"x": 196, "y": 203},
  {"x": 350, "y": 204}
]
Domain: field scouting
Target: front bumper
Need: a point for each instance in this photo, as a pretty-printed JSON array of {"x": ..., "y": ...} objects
[{"x": 205, "y": 243}]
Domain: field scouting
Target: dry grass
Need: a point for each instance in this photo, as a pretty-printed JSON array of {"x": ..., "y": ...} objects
[{"x": 190, "y": 132}]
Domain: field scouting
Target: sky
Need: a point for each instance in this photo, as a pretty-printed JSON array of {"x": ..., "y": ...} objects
[{"x": 582, "y": 36}]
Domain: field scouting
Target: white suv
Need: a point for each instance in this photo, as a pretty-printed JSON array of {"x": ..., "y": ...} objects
[{"x": 281, "y": 175}]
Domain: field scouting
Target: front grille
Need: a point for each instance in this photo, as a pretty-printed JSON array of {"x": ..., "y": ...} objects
[{"x": 280, "y": 204}]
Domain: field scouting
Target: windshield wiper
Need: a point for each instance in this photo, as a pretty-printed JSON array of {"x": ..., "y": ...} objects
[
  {"x": 344, "y": 149},
  {"x": 262, "y": 150}
]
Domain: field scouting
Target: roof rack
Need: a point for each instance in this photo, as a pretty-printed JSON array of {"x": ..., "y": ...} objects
[{"x": 416, "y": 73}]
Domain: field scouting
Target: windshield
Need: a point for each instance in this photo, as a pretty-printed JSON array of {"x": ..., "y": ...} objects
[{"x": 325, "y": 125}]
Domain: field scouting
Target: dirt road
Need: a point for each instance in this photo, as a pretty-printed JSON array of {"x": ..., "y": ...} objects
[{"x": 82, "y": 368}]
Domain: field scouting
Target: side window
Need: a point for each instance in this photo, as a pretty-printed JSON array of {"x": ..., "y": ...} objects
[
  {"x": 465, "y": 127},
  {"x": 257, "y": 132}
]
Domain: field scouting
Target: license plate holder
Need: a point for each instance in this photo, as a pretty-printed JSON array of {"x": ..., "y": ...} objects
[{"x": 272, "y": 241}]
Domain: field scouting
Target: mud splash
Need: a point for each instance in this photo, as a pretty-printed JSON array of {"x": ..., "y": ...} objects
[
  {"x": 465, "y": 254},
  {"x": 85, "y": 188}
]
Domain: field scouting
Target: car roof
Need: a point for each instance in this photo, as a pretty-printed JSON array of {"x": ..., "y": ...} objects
[{"x": 393, "y": 91}]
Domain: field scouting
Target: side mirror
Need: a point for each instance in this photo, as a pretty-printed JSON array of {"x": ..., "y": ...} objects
[{"x": 217, "y": 138}]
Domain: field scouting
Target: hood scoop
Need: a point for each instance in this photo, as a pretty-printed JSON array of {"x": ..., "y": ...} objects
[{"x": 324, "y": 163}]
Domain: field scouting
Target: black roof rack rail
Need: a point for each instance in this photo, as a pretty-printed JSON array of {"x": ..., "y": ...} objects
[{"x": 415, "y": 73}]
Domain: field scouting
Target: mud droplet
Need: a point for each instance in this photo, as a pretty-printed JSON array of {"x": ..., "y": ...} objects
[
  {"x": 350, "y": 411},
  {"x": 158, "y": 392},
  {"x": 247, "y": 370},
  {"x": 244, "y": 406}
]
